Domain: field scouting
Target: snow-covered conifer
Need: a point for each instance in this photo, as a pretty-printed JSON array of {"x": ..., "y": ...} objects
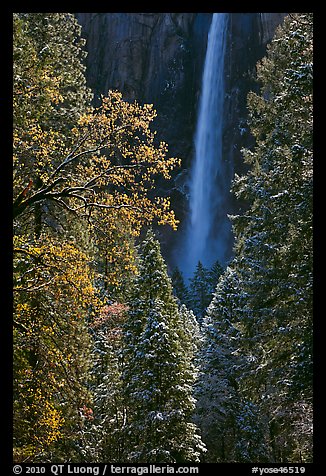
[
  {"x": 273, "y": 250},
  {"x": 221, "y": 409},
  {"x": 200, "y": 292},
  {"x": 159, "y": 370}
]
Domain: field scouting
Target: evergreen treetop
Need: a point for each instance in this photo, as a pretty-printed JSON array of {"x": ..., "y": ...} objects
[{"x": 159, "y": 368}]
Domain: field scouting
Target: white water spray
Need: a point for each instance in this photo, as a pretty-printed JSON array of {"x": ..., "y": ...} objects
[{"x": 208, "y": 231}]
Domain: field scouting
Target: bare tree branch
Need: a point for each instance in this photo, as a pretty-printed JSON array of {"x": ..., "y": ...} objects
[{"x": 64, "y": 162}]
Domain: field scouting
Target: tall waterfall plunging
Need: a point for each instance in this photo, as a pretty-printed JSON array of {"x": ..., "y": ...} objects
[{"x": 208, "y": 230}]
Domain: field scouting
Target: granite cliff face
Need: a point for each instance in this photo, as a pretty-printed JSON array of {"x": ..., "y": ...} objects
[
  {"x": 148, "y": 57},
  {"x": 267, "y": 24},
  {"x": 133, "y": 51},
  {"x": 158, "y": 58}
]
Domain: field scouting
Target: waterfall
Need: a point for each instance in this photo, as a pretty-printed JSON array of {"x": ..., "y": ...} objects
[{"x": 208, "y": 231}]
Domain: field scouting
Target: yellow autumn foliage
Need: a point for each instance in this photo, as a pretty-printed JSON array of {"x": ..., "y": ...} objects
[
  {"x": 54, "y": 266},
  {"x": 92, "y": 171},
  {"x": 113, "y": 163}
]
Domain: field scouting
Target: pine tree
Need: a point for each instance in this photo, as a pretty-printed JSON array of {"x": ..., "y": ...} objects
[
  {"x": 180, "y": 289},
  {"x": 59, "y": 52},
  {"x": 200, "y": 291},
  {"x": 79, "y": 173},
  {"x": 189, "y": 326},
  {"x": 159, "y": 372},
  {"x": 53, "y": 288},
  {"x": 105, "y": 439},
  {"x": 225, "y": 417},
  {"x": 214, "y": 274},
  {"x": 273, "y": 252},
  {"x": 50, "y": 95}
]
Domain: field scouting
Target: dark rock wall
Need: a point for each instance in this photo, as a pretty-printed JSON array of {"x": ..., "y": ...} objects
[
  {"x": 248, "y": 38},
  {"x": 158, "y": 58},
  {"x": 148, "y": 57},
  {"x": 249, "y": 35}
]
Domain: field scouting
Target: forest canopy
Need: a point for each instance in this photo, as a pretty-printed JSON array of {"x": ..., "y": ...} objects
[{"x": 114, "y": 360}]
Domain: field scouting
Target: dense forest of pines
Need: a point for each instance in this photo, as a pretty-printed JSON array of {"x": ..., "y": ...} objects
[{"x": 115, "y": 360}]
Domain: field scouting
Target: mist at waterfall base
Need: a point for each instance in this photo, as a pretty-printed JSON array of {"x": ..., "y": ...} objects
[{"x": 207, "y": 235}]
